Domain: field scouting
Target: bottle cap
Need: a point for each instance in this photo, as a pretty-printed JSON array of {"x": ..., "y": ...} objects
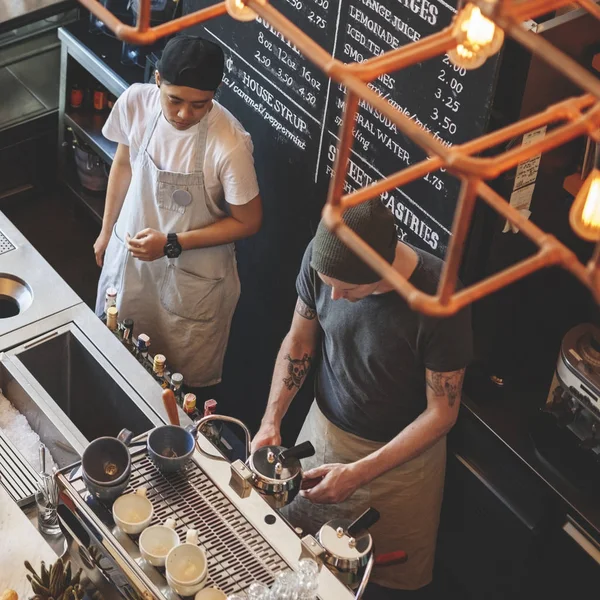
[
  {"x": 111, "y": 292},
  {"x": 128, "y": 323},
  {"x": 210, "y": 406},
  {"x": 112, "y": 311},
  {"x": 177, "y": 378},
  {"x": 189, "y": 403},
  {"x": 143, "y": 341},
  {"x": 160, "y": 360}
]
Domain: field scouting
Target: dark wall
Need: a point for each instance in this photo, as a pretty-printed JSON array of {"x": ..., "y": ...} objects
[
  {"x": 293, "y": 113},
  {"x": 519, "y": 329}
]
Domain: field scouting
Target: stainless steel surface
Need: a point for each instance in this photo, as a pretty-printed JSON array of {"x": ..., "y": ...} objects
[
  {"x": 347, "y": 556},
  {"x": 99, "y": 345},
  {"x": 50, "y": 293},
  {"x": 245, "y": 539},
  {"x": 40, "y": 74},
  {"x": 81, "y": 383},
  {"x": 5, "y": 244},
  {"x": 365, "y": 578},
  {"x": 584, "y": 541},
  {"x": 278, "y": 484},
  {"x": 91, "y": 63},
  {"x": 13, "y": 9},
  {"x": 15, "y": 296},
  {"x": 237, "y": 555},
  {"x": 200, "y": 423}
]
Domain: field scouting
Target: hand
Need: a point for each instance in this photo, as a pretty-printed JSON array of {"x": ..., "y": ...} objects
[
  {"x": 267, "y": 435},
  {"x": 100, "y": 247},
  {"x": 330, "y": 484},
  {"x": 147, "y": 245}
]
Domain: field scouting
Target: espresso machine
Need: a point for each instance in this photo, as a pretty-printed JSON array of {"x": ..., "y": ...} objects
[{"x": 574, "y": 398}]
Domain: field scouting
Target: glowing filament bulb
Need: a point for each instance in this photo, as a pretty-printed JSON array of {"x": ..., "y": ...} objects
[
  {"x": 239, "y": 11},
  {"x": 585, "y": 212},
  {"x": 478, "y": 38}
]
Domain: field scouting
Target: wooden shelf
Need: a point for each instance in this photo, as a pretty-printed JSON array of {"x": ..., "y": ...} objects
[
  {"x": 88, "y": 126},
  {"x": 93, "y": 201}
]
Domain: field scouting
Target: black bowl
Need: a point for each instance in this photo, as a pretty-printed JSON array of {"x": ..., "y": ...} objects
[{"x": 170, "y": 447}]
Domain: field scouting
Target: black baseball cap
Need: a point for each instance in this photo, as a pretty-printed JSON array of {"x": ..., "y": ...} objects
[{"x": 192, "y": 61}]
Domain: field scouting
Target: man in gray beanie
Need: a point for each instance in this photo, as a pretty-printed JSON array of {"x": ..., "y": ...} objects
[{"x": 387, "y": 392}]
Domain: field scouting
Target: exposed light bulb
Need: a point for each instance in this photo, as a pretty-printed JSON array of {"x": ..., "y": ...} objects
[
  {"x": 478, "y": 38},
  {"x": 585, "y": 212},
  {"x": 238, "y": 10}
]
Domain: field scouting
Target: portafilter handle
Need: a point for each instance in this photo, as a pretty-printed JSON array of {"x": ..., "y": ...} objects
[
  {"x": 366, "y": 520},
  {"x": 198, "y": 424},
  {"x": 303, "y": 450}
]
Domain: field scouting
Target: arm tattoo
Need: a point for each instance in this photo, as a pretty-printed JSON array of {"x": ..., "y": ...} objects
[
  {"x": 297, "y": 370},
  {"x": 305, "y": 311},
  {"x": 446, "y": 384}
]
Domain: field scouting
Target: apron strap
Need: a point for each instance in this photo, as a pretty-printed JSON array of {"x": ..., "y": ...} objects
[
  {"x": 201, "y": 144},
  {"x": 149, "y": 132}
]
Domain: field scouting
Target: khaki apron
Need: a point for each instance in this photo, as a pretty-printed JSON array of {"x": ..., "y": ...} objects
[
  {"x": 408, "y": 498},
  {"x": 184, "y": 304}
]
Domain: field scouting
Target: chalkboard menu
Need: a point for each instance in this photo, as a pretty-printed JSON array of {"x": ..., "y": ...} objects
[
  {"x": 272, "y": 88},
  {"x": 293, "y": 112}
]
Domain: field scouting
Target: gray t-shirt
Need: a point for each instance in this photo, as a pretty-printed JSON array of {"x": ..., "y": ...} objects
[{"x": 371, "y": 376}]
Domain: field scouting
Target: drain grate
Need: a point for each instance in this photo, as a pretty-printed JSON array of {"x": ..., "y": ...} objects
[
  {"x": 16, "y": 474},
  {"x": 237, "y": 553},
  {"x": 5, "y": 244}
]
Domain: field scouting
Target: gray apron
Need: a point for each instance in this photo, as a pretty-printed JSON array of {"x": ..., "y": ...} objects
[
  {"x": 184, "y": 304},
  {"x": 409, "y": 499}
]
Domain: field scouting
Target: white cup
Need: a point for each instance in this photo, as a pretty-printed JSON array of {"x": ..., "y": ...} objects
[
  {"x": 186, "y": 567},
  {"x": 133, "y": 512},
  {"x": 210, "y": 593},
  {"x": 157, "y": 541}
]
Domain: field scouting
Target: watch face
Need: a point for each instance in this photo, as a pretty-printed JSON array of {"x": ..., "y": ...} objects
[{"x": 173, "y": 250}]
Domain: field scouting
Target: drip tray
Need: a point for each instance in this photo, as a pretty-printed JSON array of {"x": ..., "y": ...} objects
[{"x": 237, "y": 554}]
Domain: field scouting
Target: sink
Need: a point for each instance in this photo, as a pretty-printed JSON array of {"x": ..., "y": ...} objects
[
  {"x": 15, "y": 296},
  {"x": 67, "y": 367}
]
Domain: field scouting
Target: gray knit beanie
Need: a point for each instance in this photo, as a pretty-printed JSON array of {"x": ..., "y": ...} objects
[{"x": 374, "y": 223}]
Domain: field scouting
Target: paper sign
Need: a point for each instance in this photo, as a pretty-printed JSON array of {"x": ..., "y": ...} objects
[{"x": 525, "y": 178}]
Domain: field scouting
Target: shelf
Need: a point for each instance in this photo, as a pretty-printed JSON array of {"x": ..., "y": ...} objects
[
  {"x": 88, "y": 126},
  {"x": 95, "y": 51},
  {"x": 93, "y": 201}
]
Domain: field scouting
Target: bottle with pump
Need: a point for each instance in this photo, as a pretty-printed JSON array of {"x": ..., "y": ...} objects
[{"x": 109, "y": 300}]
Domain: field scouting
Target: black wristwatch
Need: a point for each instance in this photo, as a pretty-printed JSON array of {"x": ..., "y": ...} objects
[{"x": 172, "y": 248}]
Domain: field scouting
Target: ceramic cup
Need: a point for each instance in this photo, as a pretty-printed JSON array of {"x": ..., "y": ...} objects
[
  {"x": 157, "y": 541},
  {"x": 133, "y": 512},
  {"x": 106, "y": 466},
  {"x": 210, "y": 593},
  {"x": 170, "y": 447},
  {"x": 186, "y": 566}
]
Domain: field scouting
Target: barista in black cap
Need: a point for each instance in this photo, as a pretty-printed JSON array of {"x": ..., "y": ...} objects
[
  {"x": 182, "y": 189},
  {"x": 387, "y": 391}
]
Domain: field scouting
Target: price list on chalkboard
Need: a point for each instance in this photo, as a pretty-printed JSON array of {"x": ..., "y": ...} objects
[{"x": 292, "y": 109}]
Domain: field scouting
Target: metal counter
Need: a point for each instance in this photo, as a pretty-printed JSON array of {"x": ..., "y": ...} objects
[{"x": 44, "y": 292}]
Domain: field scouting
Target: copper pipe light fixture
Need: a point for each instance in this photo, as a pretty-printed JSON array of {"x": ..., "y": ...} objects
[{"x": 476, "y": 33}]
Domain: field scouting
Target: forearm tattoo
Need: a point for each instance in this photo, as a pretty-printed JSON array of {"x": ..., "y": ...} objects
[
  {"x": 446, "y": 384},
  {"x": 305, "y": 311},
  {"x": 297, "y": 370}
]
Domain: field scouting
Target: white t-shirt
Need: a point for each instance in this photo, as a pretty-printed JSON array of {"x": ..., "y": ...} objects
[{"x": 228, "y": 164}]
